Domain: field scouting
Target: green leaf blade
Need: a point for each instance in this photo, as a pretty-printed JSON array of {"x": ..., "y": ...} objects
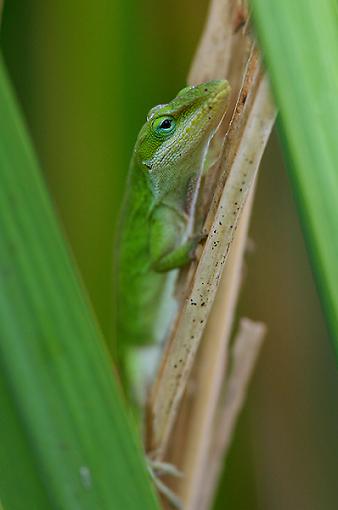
[
  {"x": 76, "y": 441},
  {"x": 300, "y": 45}
]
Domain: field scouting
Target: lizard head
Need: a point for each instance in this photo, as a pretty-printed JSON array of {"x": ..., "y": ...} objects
[{"x": 180, "y": 131}]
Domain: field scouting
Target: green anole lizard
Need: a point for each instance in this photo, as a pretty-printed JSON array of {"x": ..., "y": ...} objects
[{"x": 157, "y": 232}]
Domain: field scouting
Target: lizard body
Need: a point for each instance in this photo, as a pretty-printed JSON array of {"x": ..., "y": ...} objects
[{"x": 157, "y": 228}]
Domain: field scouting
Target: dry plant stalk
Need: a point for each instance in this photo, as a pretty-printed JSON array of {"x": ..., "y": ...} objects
[
  {"x": 208, "y": 379},
  {"x": 243, "y": 355},
  {"x": 198, "y": 425},
  {"x": 226, "y": 51}
]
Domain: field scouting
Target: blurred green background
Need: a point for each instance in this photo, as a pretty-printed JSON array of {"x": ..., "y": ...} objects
[{"x": 86, "y": 73}]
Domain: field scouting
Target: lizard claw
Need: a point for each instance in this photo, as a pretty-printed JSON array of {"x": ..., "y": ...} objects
[
  {"x": 165, "y": 468},
  {"x": 204, "y": 234},
  {"x": 159, "y": 468}
]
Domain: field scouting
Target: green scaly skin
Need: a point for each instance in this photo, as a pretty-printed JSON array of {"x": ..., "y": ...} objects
[{"x": 156, "y": 232}]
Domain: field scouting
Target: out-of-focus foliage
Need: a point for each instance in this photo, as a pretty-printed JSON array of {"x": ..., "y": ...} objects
[
  {"x": 66, "y": 440},
  {"x": 86, "y": 74},
  {"x": 300, "y": 43}
]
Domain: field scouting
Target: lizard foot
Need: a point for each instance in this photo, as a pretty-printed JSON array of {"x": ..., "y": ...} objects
[{"x": 157, "y": 469}]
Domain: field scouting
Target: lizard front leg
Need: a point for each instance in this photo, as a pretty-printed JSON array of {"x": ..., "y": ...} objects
[{"x": 167, "y": 250}]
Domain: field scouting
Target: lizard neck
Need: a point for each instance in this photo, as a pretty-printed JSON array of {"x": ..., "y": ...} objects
[{"x": 176, "y": 185}]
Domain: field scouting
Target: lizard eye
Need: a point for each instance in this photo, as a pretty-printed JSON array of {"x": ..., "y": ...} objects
[{"x": 164, "y": 125}]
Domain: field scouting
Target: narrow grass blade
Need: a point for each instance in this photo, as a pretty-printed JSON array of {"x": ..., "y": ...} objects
[{"x": 300, "y": 43}]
